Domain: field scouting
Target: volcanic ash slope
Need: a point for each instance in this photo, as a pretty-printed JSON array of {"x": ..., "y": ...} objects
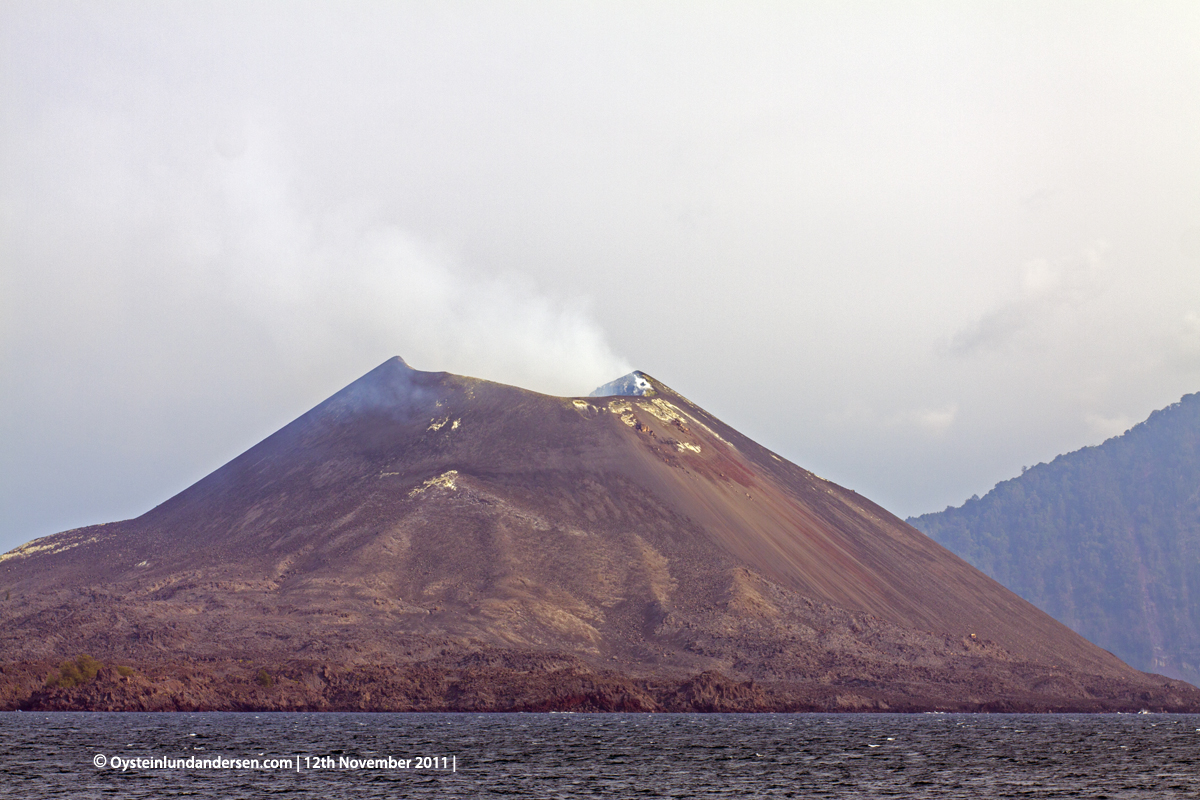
[{"x": 423, "y": 540}]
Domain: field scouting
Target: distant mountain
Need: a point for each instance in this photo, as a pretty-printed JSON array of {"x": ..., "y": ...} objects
[
  {"x": 422, "y": 540},
  {"x": 1105, "y": 539}
]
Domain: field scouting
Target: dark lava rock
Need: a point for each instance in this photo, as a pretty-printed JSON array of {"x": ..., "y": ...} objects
[{"x": 425, "y": 541}]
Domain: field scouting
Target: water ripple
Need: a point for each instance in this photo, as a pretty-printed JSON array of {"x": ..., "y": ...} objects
[{"x": 607, "y": 755}]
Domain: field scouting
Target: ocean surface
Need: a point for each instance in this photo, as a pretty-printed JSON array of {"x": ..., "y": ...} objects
[{"x": 328, "y": 756}]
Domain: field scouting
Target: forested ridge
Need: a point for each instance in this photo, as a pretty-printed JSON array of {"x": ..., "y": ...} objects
[{"x": 1106, "y": 539}]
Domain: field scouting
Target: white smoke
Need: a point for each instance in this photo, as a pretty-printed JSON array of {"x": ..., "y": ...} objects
[
  {"x": 165, "y": 302},
  {"x": 221, "y": 246},
  {"x": 330, "y": 284}
]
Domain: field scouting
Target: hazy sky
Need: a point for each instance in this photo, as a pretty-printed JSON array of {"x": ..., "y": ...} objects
[{"x": 910, "y": 246}]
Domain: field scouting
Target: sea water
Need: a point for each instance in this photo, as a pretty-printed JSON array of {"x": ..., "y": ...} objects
[{"x": 333, "y": 755}]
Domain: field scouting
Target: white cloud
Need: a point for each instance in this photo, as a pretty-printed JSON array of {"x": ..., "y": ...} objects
[
  {"x": 926, "y": 420},
  {"x": 1105, "y": 427},
  {"x": 1180, "y": 349},
  {"x": 1045, "y": 289},
  {"x": 1189, "y": 332},
  {"x": 936, "y": 420}
]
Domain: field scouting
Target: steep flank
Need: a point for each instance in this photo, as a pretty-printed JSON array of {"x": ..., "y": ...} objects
[
  {"x": 1106, "y": 539},
  {"x": 422, "y": 540}
]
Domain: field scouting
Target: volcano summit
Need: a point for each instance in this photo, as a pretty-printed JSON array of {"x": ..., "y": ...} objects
[{"x": 426, "y": 541}]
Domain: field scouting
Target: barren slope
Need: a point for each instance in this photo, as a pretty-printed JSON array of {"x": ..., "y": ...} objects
[{"x": 502, "y": 544}]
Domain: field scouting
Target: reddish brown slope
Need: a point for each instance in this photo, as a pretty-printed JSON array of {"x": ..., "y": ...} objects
[{"x": 429, "y": 519}]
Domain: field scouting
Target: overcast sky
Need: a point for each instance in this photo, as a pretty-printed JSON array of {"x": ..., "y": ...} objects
[{"x": 910, "y": 246}]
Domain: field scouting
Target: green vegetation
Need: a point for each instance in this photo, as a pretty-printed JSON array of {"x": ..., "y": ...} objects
[
  {"x": 1105, "y": 539},
  {"x": 264, "y": 679},
  {"x": 74, "y": 673},
  {"x": 126, "y": 672}
]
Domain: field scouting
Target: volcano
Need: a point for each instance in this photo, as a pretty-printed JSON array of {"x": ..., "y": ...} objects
[{"x": 427, "y": 541}]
